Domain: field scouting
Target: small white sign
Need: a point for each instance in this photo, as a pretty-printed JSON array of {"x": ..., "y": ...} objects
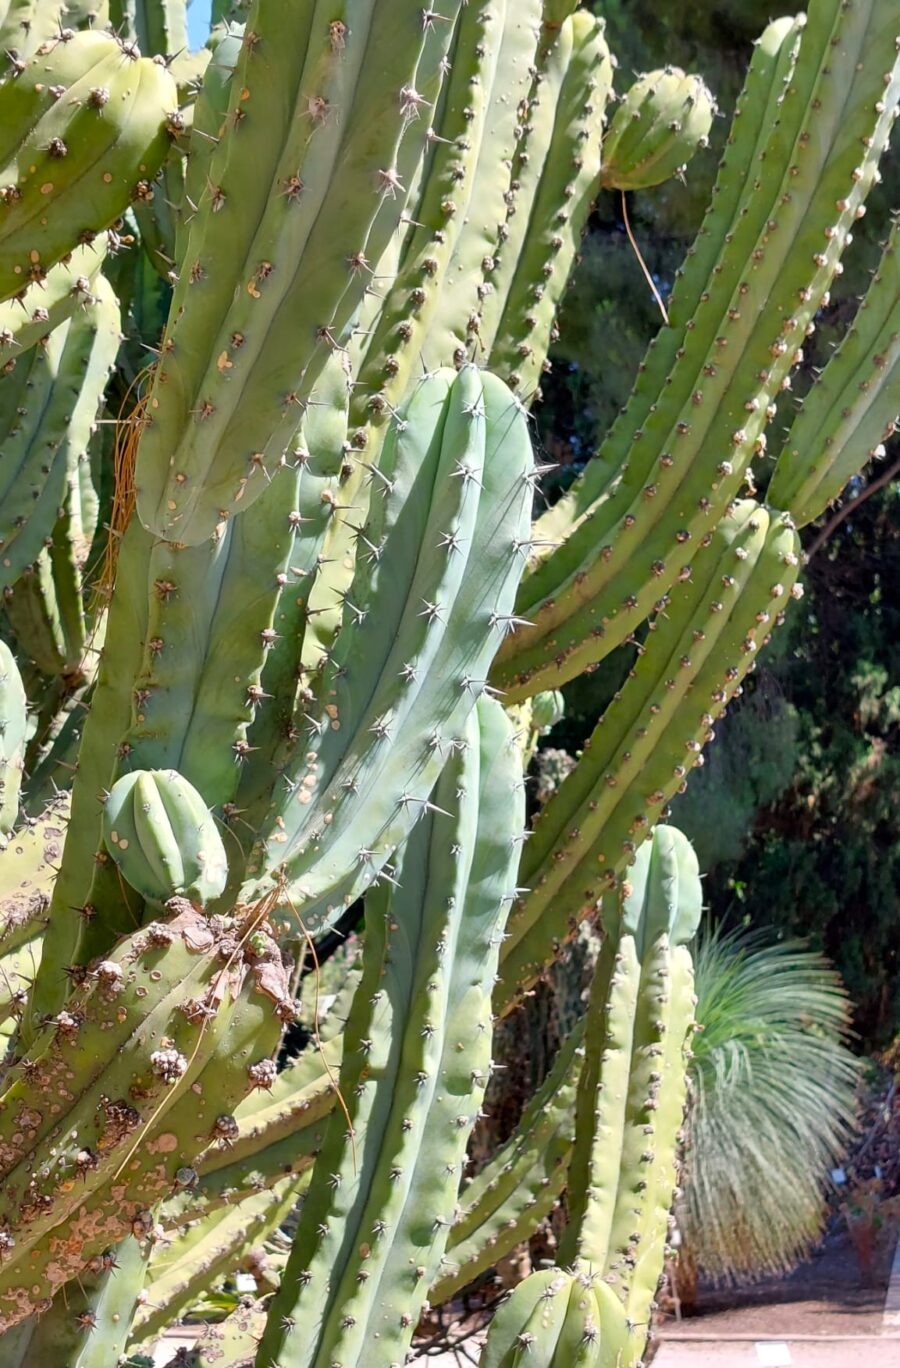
[
  {"x": 772, "y": 1354},
  {"x": 245, "y": 1282}
]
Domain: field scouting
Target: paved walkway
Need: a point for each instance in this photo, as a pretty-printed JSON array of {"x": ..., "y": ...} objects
[{"x": 878, "y": 1352}]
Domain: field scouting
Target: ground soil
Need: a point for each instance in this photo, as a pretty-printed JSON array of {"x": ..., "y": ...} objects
[{"x": 826, "y": 1295}]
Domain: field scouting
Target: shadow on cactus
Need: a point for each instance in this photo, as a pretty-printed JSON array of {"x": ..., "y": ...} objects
[{"x": 343, "y": 234}]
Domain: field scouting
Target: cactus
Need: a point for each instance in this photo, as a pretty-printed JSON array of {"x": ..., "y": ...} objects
[
  {"x": 678, "y": 453},
  {"x": 630, "y": 1101},
  {"x": 259, "y": 632},
  {"x": 159, "y": 831},
  {"x": 854, "y": 407},
  {"x": 412, "y": 1092},
  {"x": 662, "y": 121},
  {"x": 84, "y": 130}
]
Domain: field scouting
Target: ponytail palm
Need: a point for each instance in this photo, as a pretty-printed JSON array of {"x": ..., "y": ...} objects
[{"x": 773, "y": 1100}]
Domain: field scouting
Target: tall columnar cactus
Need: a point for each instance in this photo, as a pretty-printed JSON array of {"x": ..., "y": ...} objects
[
  {"x": 629, "y": 1107},
  {"x": 261, "y": 578}
]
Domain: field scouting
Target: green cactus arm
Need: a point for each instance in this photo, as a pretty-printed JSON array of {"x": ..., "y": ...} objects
[
  {"x": 506, "y": 1200},
  {"x": 13, "y": 726},
  {"x": 631, "y": 1094},
  {"x": 51, "y": 758},
  {"x": 392, "y": 344},
  {"x": 387, "y": 356},
  {"x": 34, "y": 312},
  {"x": 468, "y": 271},
  {"x": 629, "y": 1106},
  {"x": 87, "y": 1327},
  {"x": 422, "y": 621},
  {"x": 314, "y": 176},
  {"x": 770, "y": 69},
  {"x": 662, "y": 121},
  {"x": 210, "y": 111},
  {"x": 33, "y": 614},
  {"x": 159, "y": 27},
  {"x": 303, "y": 607},
  {"x": 205, "y": 1251},
  {"x": 705, "y": 639},
  {"x": 91, "y": 148},
  {"x": 107, "y": 722},
  {"x": 555, "y": 187},
  {"x": 853, "y": 407},
  {"x": 412, "y": 1091},
  {"x": 53, "y": 406},
  {"x": 696, "y": 445},
  {"x": 45, "y": 606},
  {"x": 632, "y": 1089},
  {"x": 25, "y": 25},
  {"x": 212, "y": 1019},
  {"x": 28, "y": 867}
]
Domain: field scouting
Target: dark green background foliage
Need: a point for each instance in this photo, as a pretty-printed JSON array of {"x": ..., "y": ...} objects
[{"x": 795, "y": 813}]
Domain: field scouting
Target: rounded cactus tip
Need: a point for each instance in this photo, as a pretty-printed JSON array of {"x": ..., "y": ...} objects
[
  {"x": 163, "y": 837},
  {"x": 662, "y": 121},
  {"x": 547, "y": 708}
]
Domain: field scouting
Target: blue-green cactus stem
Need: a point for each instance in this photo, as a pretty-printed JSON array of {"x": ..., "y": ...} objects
[
  {"x": 378, "y": 1212},
  {"x": 440, "y": 558},
  {"x": 386, "y": 352},
  {"x": 695, "y": 447},
  {"x": 661, "y": 123},
  {"x": 854, "y": 406},
  {"x": 34, "y": 312},
  {"x": 520, "y": 1185},
  {"x": 322, "y": 452},
  {"x": 705, "y": 638},
  {"x": 84, "y": 130},
  {"x": 553, "y": 189},
  {"x": 49, "y": 402},
  {"x": 306, "y": 189},
  {"x": 164, "y": 1038},
  {"x": 13, "y": 726}
]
